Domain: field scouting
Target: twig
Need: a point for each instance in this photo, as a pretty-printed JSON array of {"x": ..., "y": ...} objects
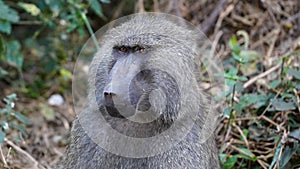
[
  {"x": 210, "y": 21},
  {"x": 241, "y": 119},
  {"x": 176, "y": 7},
  {"x": 155, "y": 6},
  {"x": 212, "y": 64},
  {"x": 298, "y": 99},
  {"x": 291, "y": 19},
  {"x": 227, "y": 133},
  {"x": 88, "y": 25},
  {"x": 3, "y": 158},
  {"x": 254, "y": 79},
  {"x": 17, "y": 148},
  {"x": 222, "y": 16},
  {"x": 274, "y": 31},
  {"x": 263, "y": 39},
  {"x": 215, "y": 43},
  {"x": 29, "y": 23},
  {"x": 262, "y": 164},
  {"x": 277, "y": 31},
  {"x": 241, "y": 151},
  {"x": 269, "y": 105},
  {"x": 271, "y": 121},
  {"x": 226, "y": 145},
  {"x": 118, "y": 10},
  {"x": 283, "y": 141},
  {"x": 242, "y": 134},
  {"x": 141, "y": 7}
]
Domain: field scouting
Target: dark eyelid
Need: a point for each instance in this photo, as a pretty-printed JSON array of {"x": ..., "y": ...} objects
[
  {"x": 138, "y": 48},
  {"x": 123, "y": 49}
]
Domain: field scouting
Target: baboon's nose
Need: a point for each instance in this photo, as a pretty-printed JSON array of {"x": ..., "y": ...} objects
[
  {"x": 110, "y": 106},
  {"x": 108, "y": 97}
]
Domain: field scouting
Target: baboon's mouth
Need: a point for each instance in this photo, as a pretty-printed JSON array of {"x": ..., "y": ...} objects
[{"x": 112, "y": 111}]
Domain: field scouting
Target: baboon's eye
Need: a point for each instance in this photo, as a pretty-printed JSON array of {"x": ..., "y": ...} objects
[
  {"x": 142, "y": 50},
  {"x": 139, "y": 49},
  {"x": 123, "y": 49}
]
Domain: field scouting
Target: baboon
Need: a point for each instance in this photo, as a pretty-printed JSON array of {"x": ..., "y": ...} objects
[{"x": 141, "y": 83}]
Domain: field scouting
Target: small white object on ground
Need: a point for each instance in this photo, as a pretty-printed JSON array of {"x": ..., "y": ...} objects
[{"x": 56, "y": 100}]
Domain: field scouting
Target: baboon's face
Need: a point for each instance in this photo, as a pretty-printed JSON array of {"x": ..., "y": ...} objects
[
  {"x": 144, "y": 69},
  {"x": 134, "y": 87},
  {"x": 126, "y": 71}
]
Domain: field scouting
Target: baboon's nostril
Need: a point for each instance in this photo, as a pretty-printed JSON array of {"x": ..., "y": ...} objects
[
  {"x": 108, "y": 97},
  {"x": 109, "y": 93}
]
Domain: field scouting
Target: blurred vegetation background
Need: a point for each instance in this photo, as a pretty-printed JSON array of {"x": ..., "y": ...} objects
[{"x": 257, "y": 40}]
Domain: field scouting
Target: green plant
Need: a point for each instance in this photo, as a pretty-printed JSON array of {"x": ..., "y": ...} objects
[
  {"x": 12, "y": 120},
  {"x": 57, "y": 31},
  {"x": 258, "y": 107}
]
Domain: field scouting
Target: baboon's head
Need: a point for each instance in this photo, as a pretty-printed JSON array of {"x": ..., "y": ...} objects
[
  {"x": 144, "y": 70},
  {"x": 143, "y": 94}
]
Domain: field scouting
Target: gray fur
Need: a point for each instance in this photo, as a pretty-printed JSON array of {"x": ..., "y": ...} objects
[{"x": 168, "y": 46}]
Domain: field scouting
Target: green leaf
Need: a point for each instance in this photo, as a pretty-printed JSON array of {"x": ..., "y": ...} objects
[
  {"x": 4, "y": 111},
  {"x": 295, "y": 133},
  {"x": 12, "y": 97},
  {"x": 295, "y": 73},
  {"x": 276, "y": 155},
  {"x": 55, "y": 6},
  {"x": 249, "y": 55},
  {"x": 232, "y": 71},
  {"x": 246, "y": 132},
  {"x": 230, "y": 162},
  {"x": 2, "y": 46},
  {"x": 297, "y": 85},
  {"x": 239, "y": 59},
  {"x": 20, "y": 128},
  {"x": 47, "y": 112},
  {"x": 274, "y": 83},
  {"x": 4, "y": 125},
  {"x": 66, "y": 74},
  {"x": 287, "y": 153},
  {"x": 96, "y": 7},
  {"x": 235, "y": 77},
  {"x": 281, "y": 105},
  {"x": 227, "y": 112},
  {"x": 105, "y": 1},
  {"x": 22, "y": 118},
  {"x": 234, "y": 46},
  {"x": 239, "y": 87},
  {"x": 8, "y": 14},
  {"x": 3, "y": 72},
  {"x": 257, "y": 100},
  {"x": 13, "y": 54},
  {"x": 16, "y": 139},
  {"x": 242, "y": 78},
  {"x": 30, "y": 8},
  {"x": 254, "y": 98},
  {"x": 247, "y": 154},
  {"x": 229, "y": 76},
  {"x": 247, "y": 157},
  {"x": 230, "y": 82},
  {"x": 222, "y": 157},
  {"x": 2, "y": 136},
  {"x": 232, "y": 42},
  {"x": 72, "y": 27},
  {"x": 5, "y": 27}
]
